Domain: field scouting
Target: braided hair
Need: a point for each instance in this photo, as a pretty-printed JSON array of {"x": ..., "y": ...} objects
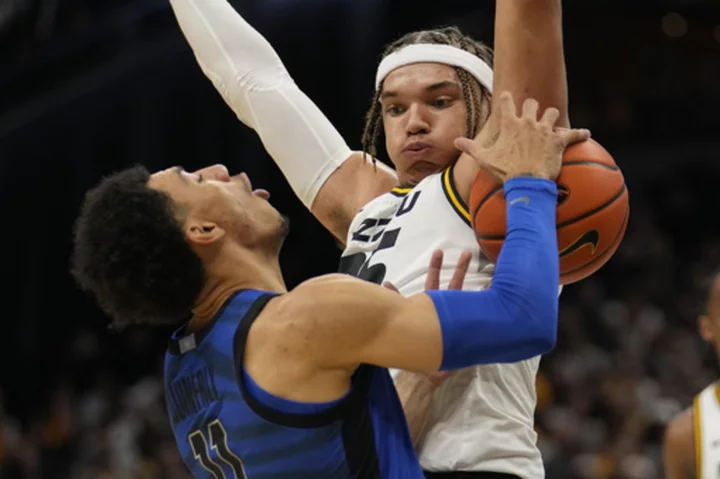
[{"x": 475, "y": 94}]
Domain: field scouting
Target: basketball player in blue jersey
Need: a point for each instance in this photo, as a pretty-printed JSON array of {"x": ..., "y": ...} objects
[
  {"x": 265, "y": 383},
  {"x": 430, "y": 87},
  {"x": 691, "y": 446}
]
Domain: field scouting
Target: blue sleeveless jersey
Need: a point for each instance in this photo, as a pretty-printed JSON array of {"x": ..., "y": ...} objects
[{"x": 226, "y": 426}]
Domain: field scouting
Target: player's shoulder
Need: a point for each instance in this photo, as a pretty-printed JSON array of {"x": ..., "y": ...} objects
[
  {"x": 680, "y": 431},
  {"x": 281, "y": 330},
  {"x": 314, "y": 292},
  {"x": 309, "y": 297},
  {"x": 304, "y": 324},
  {"x": 679, "y": 446}
]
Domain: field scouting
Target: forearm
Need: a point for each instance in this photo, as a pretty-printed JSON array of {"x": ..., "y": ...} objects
[
  {"x": 253, "y": 81},
  {"x": 415, "y": 393},
  {"x": 516, "y": 318},
  {"x": 529, "y": 62},
  {"x": 529, "y": 56}
]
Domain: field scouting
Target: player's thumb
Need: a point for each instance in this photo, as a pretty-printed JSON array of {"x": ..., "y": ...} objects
[{"x": 466, "y": 145}]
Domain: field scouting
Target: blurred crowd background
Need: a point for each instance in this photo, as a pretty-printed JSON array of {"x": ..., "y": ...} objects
[{"x": 88, "y": 87}]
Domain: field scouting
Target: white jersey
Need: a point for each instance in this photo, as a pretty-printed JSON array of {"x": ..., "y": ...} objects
[
  {"x": 481, "y": 418},
  {"x": 706, "y": 414}
]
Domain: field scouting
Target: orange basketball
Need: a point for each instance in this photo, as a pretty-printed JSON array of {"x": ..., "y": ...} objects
[{"x": 592, "y": 213}]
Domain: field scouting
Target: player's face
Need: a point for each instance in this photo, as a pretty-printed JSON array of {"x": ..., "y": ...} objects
[
  {"x": 211, "y": 198},
  {"x": 710, "y": 331},
  {"x": 423, "y": 112}
]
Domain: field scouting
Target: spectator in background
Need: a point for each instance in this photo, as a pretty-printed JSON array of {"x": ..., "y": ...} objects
[{"x": 691, "y": 440}]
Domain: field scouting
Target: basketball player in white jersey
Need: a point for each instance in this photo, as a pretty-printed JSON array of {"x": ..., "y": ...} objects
[
  {"x": 692, "y": 440},
  {"x": 432, "y": 88}
]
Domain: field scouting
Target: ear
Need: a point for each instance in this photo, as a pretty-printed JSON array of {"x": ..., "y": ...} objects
[
  {"x": 705, "y": 328},
  {"x": 203, "y": 232}
]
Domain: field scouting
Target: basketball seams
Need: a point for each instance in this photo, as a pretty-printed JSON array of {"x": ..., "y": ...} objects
[
  {"x": 583, "y": 216},
  {"x": 608, "y": 203},
  {"x": 596, "y": 176},
  {"x": 590, "y": 163},
  {"x": 492, "y": 193},
  {"x": 610, "y": 248},
  {"x": 497, "y": 189},
  {"x": 613, "y": 245}
]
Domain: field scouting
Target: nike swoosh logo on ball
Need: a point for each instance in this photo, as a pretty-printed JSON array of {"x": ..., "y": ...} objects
[{"x": 589, "y": 238}]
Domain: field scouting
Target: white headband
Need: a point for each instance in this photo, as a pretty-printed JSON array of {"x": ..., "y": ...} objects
[{"x": 433, "y": 53}]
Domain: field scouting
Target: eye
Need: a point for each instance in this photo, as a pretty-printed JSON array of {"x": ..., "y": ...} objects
[
  {"x": 200, "y": 178},
  {"x": 394, "y": 110},
  {"x": 441, "y": 102}
]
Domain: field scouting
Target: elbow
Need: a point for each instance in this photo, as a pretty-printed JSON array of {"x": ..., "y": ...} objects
[
  {"x": 543, "y": 315},
  {"x": 546, "y": 339},
  {"x": 269, "y": 77},
  {"x": 534, "y": 308},
  {"x": 535, "y": 312}
]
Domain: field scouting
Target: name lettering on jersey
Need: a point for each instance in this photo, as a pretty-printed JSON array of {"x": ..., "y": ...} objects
[{"x": 192, "y": 393}]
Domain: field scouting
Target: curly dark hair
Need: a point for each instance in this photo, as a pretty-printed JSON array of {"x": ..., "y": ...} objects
[
  {"x": 130, "y": 252},
  {"x": 470, "y": 86}
]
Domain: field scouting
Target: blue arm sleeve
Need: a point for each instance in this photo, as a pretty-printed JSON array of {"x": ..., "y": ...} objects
[{"x": 516, "y": 318}]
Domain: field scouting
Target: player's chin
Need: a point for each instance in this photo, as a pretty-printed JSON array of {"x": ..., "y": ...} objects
[
  {"x": 430, "y": 164},
  {"x": 420, "y": 170}
]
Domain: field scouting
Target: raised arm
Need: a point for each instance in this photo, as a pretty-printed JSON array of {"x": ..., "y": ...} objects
[
  {"x": 529, "y": 63},
  {"x": 515, "y": 319},
  {"x": 331, "y": 180},
  {"x": 529, "y": 55}
]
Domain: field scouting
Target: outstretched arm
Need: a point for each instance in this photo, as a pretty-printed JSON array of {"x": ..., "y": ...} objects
[
  {"x": 529, "y": 55},
  {"x": 529, "y": 63},
  {"x": 357, "y": 322},
  {"x": 324, "y": 173},
  {"x": 344, "y": 322},
  {"x": 329, "y": 326},
  {"x": 306, "y": 344}
]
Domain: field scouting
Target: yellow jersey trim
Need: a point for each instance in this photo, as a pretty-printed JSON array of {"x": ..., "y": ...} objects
[
  {"x": 698, "y": 436},
  {"x": 453, "y": 197},
  {"x": 397, "y": 191}
]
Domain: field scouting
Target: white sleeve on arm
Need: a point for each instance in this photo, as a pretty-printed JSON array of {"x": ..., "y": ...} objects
[{"x": 253, "y": 81}]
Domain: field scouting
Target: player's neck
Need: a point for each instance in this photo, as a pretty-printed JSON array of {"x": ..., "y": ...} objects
[{"x": 227, "y": 275}]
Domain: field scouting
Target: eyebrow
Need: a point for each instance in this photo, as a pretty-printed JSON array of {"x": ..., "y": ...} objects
[{"x": 433, "y": 87}]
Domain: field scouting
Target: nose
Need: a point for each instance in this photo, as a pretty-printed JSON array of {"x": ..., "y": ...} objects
[
  {"x": 215, "y": 172},
  {"x": 417, "y": 123}
]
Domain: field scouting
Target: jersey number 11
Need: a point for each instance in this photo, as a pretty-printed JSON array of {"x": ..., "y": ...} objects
[{"x": 218, "y": 442}]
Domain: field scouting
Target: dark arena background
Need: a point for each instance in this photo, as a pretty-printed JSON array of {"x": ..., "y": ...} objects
[{"x": 90, "y": 87}]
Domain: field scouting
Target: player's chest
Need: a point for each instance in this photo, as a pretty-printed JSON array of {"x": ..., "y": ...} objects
[{"x": 393, "y": 238}]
